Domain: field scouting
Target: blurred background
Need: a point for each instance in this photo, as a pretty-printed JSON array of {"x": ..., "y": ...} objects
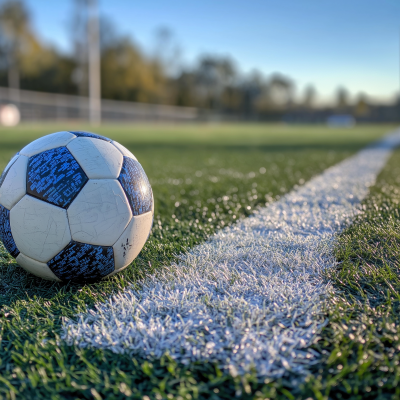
[{"x": 122, "y": 61}]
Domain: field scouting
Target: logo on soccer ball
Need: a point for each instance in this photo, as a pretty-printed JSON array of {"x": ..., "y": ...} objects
[{"x": 75, "y": 206}]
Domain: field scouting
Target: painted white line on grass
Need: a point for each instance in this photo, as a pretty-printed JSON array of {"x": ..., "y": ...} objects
[{"x": 252, "y": 295}]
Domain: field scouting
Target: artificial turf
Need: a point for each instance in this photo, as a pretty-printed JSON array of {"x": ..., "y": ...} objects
[
  {"x": 203, "y": 179},
  {"x": 361, "y": 342}
]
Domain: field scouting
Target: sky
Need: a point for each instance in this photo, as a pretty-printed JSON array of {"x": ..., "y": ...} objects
[{"x": 327, "y": 43}]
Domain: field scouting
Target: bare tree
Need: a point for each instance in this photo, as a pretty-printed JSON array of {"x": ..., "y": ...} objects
[
  {"x": 167, "y": 51},
  {"x": 255, "y": 94},
  {"x": 280, "y": 91},
  {"x": 213, "y": 76},
  {"x": 309, "y": 97},
  {"x": 342, "y": 98}
]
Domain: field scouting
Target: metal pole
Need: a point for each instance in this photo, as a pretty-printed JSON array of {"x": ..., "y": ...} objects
[{"x": 94, "y": 63}]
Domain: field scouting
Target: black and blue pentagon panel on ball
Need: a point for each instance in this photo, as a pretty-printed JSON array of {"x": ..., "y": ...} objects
[
  {"x": 90, "y": 134},
  {"x": 136, "y": 185},
  {"x": 55, "y": 176},
  {"x": 80, "y": 262},
  {"x": 5, "y": 232}
]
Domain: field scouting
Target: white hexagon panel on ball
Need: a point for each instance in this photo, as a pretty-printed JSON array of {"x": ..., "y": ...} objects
[
  {"x": 98, "y": 158},
  {"x": 37, "y": 268},
  {"x": 124, "y": 151},
  {"x": 40, "y": 229},
  {"x": 47, "y": 142},
  {"x": 13, "y": 186},
  {"x": 8, "y": 166},
  {"x": 131, "y": 242},
  {"x": 100, "y": 213}
]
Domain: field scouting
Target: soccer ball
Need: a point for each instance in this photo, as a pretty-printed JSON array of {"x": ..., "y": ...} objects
[{"x": 75, "y": 206}]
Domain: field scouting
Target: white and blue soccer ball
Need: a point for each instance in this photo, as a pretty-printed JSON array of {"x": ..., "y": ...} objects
[{"x": 75, "y": 206}]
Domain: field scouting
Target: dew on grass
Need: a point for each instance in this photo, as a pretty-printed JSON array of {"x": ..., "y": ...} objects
[{"x": 165, "y": 166}]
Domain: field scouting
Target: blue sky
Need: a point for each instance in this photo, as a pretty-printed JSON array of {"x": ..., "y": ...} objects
[{"x": 330, "y": 43}]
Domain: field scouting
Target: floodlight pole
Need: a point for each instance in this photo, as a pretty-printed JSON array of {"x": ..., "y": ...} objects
[{"x": 94, "y": 63}]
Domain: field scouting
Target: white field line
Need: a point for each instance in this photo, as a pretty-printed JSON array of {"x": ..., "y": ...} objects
[{"x": 252, "y": 295}]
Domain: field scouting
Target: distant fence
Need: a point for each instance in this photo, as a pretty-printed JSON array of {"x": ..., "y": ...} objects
[{"x": 38, "y": 106}]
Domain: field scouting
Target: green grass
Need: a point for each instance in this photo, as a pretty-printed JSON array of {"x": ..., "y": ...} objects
[
  {"x": 362, "y": 340},
  {"x": 274, "y": 136},
  {"x": 204, "y": 177}
]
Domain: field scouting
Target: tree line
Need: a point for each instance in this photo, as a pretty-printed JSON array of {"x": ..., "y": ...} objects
[{"x": 128, "y": 73}]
